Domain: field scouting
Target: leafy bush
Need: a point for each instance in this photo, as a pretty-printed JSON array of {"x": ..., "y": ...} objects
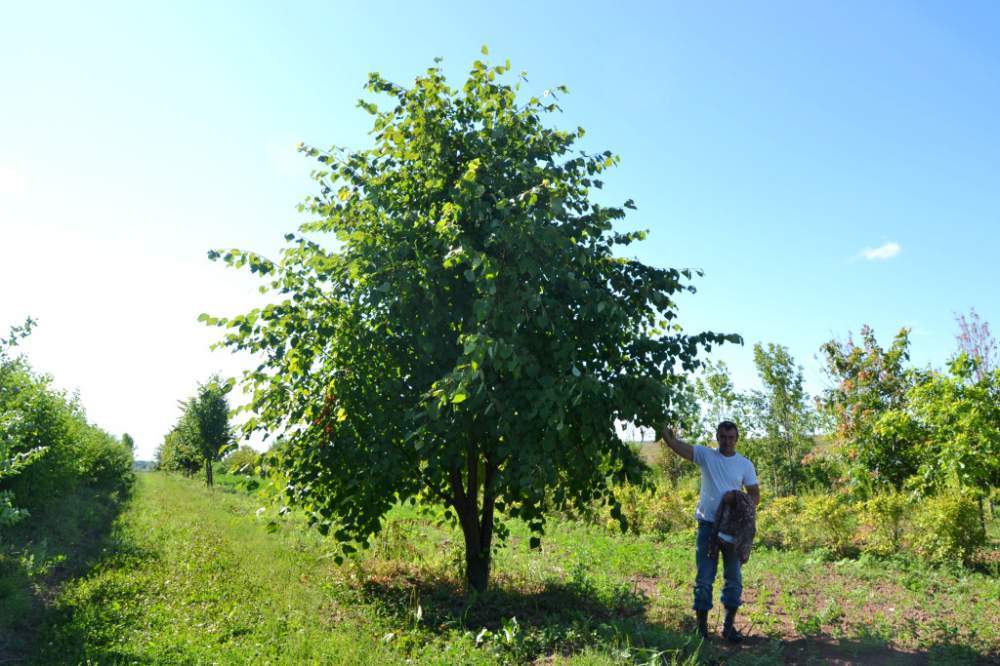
[
  {"x": 884, "y": 523},
  {"x": 102, "y": 462},
  {"x": 48, "y": 429},
  {"x": 829, "y": 521},
  {"x": 243, "y": 460},
  {"x": 663, "y": 508},
  {"x": 10, "y": 465},
  {"x": 809, "y": 522},
  {"x": 777, "y": 522},
  {"x": 946, "y": 528},
  {"x": 822, "y": 470},
  {"x": 178, "y": 454},
  {"x": 36, "y": 417}
]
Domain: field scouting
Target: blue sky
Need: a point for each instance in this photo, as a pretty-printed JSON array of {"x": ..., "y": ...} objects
[{"x": 769, "y": 145}]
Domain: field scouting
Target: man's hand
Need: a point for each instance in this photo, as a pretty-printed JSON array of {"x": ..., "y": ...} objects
[{"x": 683, "y": 449}]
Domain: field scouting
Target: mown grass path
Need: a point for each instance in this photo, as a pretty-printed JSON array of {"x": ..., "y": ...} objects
[{"x": 196, "y": 578}]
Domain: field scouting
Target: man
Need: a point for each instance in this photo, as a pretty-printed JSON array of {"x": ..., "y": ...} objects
[{"x": 722, "y": 471}]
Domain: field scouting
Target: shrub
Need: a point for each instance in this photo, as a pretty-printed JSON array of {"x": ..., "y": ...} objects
[
  {"x": 946, "y": 528},
  {"x": 777, "y": 522},
  {"x": 102, "y": 462},
  {"x": 829, "y": 522},
  {"x": 176, "y": 454},
  {"x": 821, "y": 471},
  {"x": 243, "y": 460},
  {"x": 77, "y": 454},
  {"x": 808, "y": 522},
  {"x": 883, "y": 519},
  {"x": 661, "y": 509}
]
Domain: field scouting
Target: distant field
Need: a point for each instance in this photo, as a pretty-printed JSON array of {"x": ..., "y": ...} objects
[{"x": 191, "y": 576}]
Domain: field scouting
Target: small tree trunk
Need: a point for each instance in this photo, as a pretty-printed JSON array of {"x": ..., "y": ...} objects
[
  {"x": 477, "y": 560},
  {"x": 477, "y": 529},
  {"x": 209, "y": 481},
  {"x": 477, "y": 566}
]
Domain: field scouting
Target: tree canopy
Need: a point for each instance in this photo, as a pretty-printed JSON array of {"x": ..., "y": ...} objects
[
  {"x": 869, "y": 382},
  {"x": 48, "y": 448},
  {"x": 202, "y": 434},
  {"x": 781, "y": 417},
  {"x": 473, "y": 335}
]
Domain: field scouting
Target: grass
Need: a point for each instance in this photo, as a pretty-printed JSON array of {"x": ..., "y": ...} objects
[
  {"x": 38, "y": 554},
  {"x": 190, "y": 576}
]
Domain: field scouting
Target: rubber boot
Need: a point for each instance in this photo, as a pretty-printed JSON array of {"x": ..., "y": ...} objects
[
  {"x": 702, "y": 623},
  {"x": 729, "y": 631}
]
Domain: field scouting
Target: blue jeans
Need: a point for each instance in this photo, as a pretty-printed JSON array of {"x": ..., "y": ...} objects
[{"x": 732, "y": 591}]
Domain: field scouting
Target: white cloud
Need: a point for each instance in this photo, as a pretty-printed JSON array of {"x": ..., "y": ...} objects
[
  {"x": 11, "y": 182},
  {"x": 882, "y": 252}
]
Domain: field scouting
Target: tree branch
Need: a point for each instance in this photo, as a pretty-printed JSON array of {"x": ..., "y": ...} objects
[{"x": 455, "y": 476}]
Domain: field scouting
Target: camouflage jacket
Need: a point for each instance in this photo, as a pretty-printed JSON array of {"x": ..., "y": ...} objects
[{"x": 738, "y": 519}]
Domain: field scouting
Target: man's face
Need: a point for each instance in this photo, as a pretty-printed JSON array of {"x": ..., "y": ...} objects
[{"x": 727, "y": 439}]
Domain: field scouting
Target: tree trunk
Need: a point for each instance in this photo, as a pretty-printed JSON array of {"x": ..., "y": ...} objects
[
  {"x": 477, "y": 529},
  {"x": 209, "y": 481},
  {"x": 477, "y": 567}
]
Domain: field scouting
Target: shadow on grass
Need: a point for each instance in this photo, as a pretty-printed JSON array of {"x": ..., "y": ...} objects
[
  {"x": 73, "y": 535},
  {"x": 565, "y": 618},
  {"x": 556, "y": 619},
  {"x": 826, "y": 650}
]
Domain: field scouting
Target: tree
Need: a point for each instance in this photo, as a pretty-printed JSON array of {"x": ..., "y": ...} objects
[
  {"x": 48, "y": 449},
  {"x": 870, "y": 382},
  {"x": 718, "y": 398},
  {"x": 14, "y": 338},
  {"x": 781, "y": 416},
  {"x": 204, "y": 424},
  {"x": 958, "y": 414},
  {"x": 177, "y": 454},
  {"x": 472, "y": 338},
  {"x": 128, "y": 442},
  {"x": 13, "y": 455},
  {"x": 202, "y": 434},
  {"x": 977, "y": 342}
]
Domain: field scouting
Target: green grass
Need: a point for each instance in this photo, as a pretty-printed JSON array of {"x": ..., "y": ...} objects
[
  {"x": 60, "y": 542},
  {"x": 192, "y": 576}
]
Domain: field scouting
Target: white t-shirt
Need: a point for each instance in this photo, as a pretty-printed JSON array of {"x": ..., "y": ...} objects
[{"x": 719, "y": 475}]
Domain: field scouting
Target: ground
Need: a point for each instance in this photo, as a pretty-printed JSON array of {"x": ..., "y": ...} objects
[{"x": 187, "y": 575}]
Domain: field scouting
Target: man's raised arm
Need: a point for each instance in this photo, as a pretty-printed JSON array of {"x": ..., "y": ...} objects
[{"x": 681, "y": 448}]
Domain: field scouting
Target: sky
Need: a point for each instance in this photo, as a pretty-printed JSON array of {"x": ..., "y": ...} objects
[{"x": 826, "y": 164}]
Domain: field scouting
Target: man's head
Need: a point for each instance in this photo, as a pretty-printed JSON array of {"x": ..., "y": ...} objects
[{"x": 726, "y": 435}]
